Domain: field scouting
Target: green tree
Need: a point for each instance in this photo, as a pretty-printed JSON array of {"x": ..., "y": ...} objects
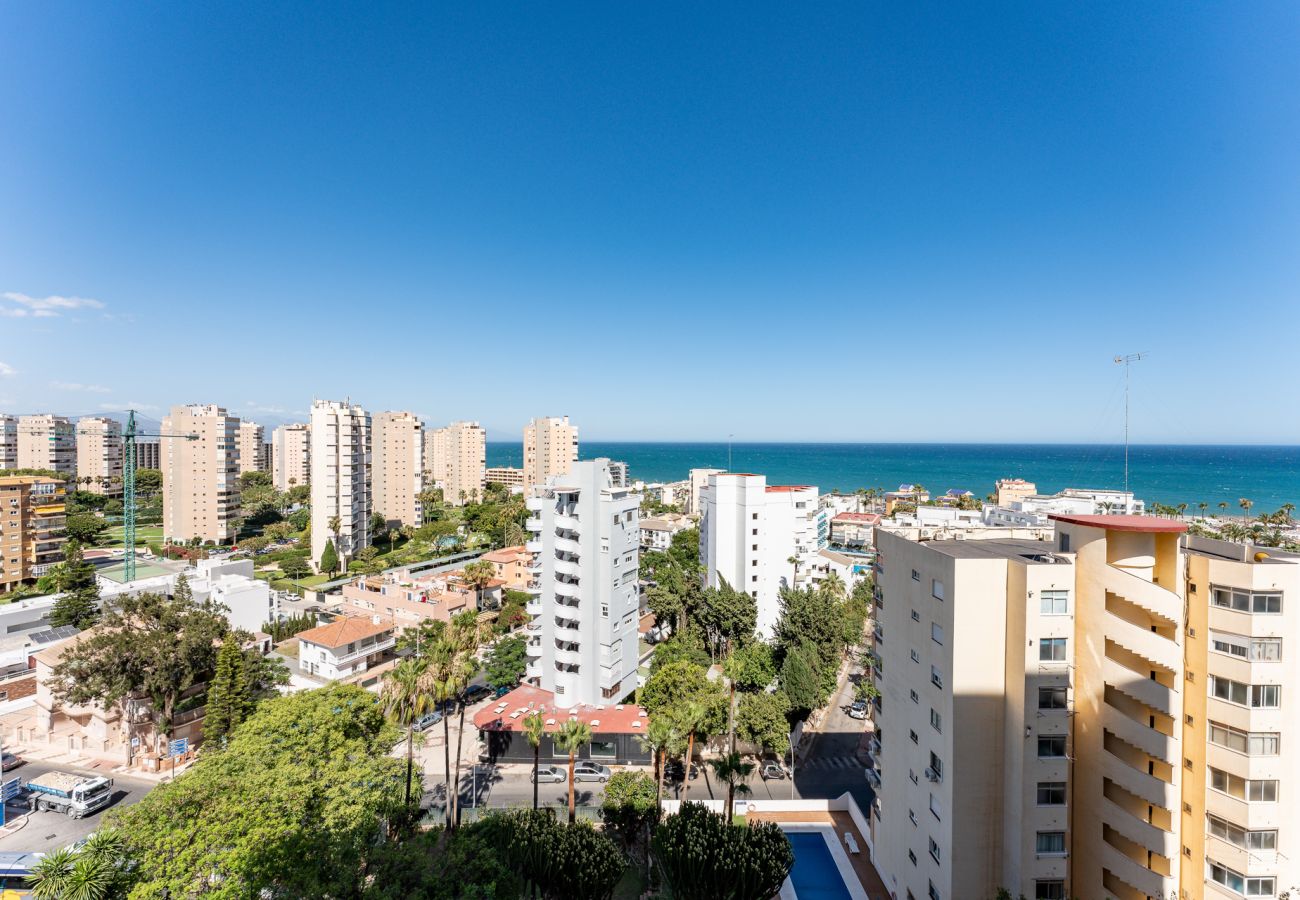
[
  {"x": 479, "y": 574},
  {"x": 534, "y": 731},
  {"x": 571, "y": 737},
  {"x": 630, "y": 809},
  {"x": 296, "y": 567},
  {"x": 733, "y": 771},
  {"x": 763, "y": 719},
  {"x": 663, "y": 740},
  {"x": 79, "y": 605},
  {"x": 405, "y": 701},
  {"x": 291, "y": 808},
  {"x": 506, "y": 662},
  {"x": 726, "y": 615},
  {"x": 702, "y": 856},
  {"x": 675, "y": 683},
  {"x": 148, "y": 482},
  {"x": 685, "y": 644},
  {"x": 799, "y": 679},
  {"x": 329, "y": 558},
  {"x": 98, "y": 870},
  {"x": 230, "y": 699},
  {"x": 84, "y": 527}
]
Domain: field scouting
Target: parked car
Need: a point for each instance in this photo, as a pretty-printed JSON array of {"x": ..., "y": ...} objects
[
  {"x": 428, "y": 720},
  {"x": 11, "y": 761},
  {"x": 858, "y": 710},
  {"x": 550, "y": 775},
  {"x": 476, "y": 693},
  {"x": 501, "y": 691},
  {"x": 674, "y": 771},
  {"x": 772, "y": 771},
  {"x": 586, "y": 770}
]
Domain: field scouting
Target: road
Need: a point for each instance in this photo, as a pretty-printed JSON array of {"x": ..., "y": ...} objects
[
  {"x": 834, "y": 762},
  {"x": 47, "y": 831}
]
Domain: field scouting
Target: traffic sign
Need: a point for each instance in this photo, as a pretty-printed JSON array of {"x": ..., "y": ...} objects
[
  {"x": 178, "y": 747},
  {"x": 9, "y": 789}
]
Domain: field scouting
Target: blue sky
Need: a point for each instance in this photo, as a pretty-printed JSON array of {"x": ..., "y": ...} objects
[{"x": 668, "y": 221}]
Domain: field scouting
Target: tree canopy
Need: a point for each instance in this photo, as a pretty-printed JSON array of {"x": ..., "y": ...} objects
[
  {"x": 79, "y": 605},
  {"x": 702, "y": 856},
  {"x": 506, "y": 662}
]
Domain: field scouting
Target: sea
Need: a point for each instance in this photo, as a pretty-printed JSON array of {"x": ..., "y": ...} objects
[{"x": 1158, "y": 473}]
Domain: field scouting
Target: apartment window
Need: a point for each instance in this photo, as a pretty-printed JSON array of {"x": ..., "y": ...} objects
[
  {"x": 604, "y": 610},
  {"x": 1235, "y": 881},
  {"x": 934, "y": 808},
  {"x": 1053, "y": 603},
  {"x": 911, "y": 856},
  {"x": 1259, "y": 696},
  {"x": 934, "y": 850},
  {"x": 1053, "y": 697},
  {"x": 916, "y": 616},
  {"x": 1240, "y": 837},
  {"x": 1050, "y": 843},
  {"x": 754, "y": 516},
  {"x": 936, "y": 720},
  {"x": 936, "y": 765},
  {"x": 911, "y": 814},
  {"x": 933, "y": 892},
  {"x": 1266, "y": 696},
  {"x": 915, "y": 739},
  {"x": 936, "y": 589},
  {"x": 936, "y": 633},
  {"x": 935, "y": 678},
  {"x": 1051, "y": 746},
  {"x": 1053, "y": 889},
  {"x": 1051, "y": 650},
  {"x": 754, "y": 547},
  {"x": 1256, "y": 791},
  {"x": 916, "y": 576},
  {"x": 1254, "y": 743},
  {"x": 915, "y": 698},
  {"x": 1266, "y": 649},
  {"x": 1263, "y": 602},
  {"x": 1051, "y": 793},
  {"x": 916, "y": 657}
]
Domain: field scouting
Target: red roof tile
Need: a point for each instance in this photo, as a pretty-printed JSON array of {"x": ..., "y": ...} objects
[
  {"x": 508, "y": 713},
  {"x": 787, "y": 488},
  {"x": 343, "y": 631},
  {"x": 1150, "y": 524},
  {"x": 865, "y": 518}
]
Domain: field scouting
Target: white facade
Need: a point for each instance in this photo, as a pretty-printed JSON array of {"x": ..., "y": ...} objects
[
  {"x": 750, "y": 533},
  {"x": 583, "y": 639},
  {"x": 100, "y": 451},
  {"x": 698, "y": 481},
  {"x": 340, "y": 477},
  {"x": 250, "y": 603},
  {"x": 290, "y": 456},
  {"x": 1033, "y": 510},
  {"x": 47, "y": 441}
]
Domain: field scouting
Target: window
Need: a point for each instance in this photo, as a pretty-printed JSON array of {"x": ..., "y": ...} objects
[
  {"x": 911, "y": 856},
  {"x": 1051, "y": 746},
  {"x": 1053, "y": 889},
  {"x": 934, "y": 808},
  {"x": 933, "y": 892},
  {"x": 936, "y": 765},
  {"x": 604, "y": 610},
  {"x": 936, "y": 721},
  {"x": 1266, "y": 696},
  {"x": 1256, "y": 791},
  {"x": 1051, "y": 793},
  {"x": 1259, "y": 696},
  {"x": 1266, "y": 649},
  {"x": 916, "y": 576},
  {"x": 916, "y": 657},
  {"x": 936, "y": 633},
  {"x": 1050, "y": 843},
  {"x": 915, "y": 698},
  {"x": 1063, "y": 543},
  {"x": 915, "y": 739},
  {"x": 936, "y": 588},
  {"x": 1051, "y": 650},
  {"x": 911, "y": 814},
  {"x": 1255, "y": 743},
  {"x": 916, "y": 616},
  {"x": 1235, "y": 881},
  {"x": 935, "y": 678},
  {"x": 1240, "y": 837},
  {"x": 934, "y": 850},
  {"x": 1053, "y": 697},
  {"x": 1263, "y": 602},
  {"x": 1053, "y": 603}
]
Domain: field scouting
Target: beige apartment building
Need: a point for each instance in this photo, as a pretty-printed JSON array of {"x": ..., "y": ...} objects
[
  {"x": 100, "y": 451},
  {"x": 1009, "y": 490},
  {"x": 31, "y": 528},
  {"x": 550, "y": 448},
  {"x": 8, "y": 442},
  {"x": 340, "y": 478},
  {"x": 200, "y": 476},
  {"x": 510, "y": 476},
  {"x": 397, "y": 467},
  {"x": 252, "y": 448},
  {"x": 455, "y": 459},
  {"x": 290, "y": 456},
  {"x": 47, "y": 441}
]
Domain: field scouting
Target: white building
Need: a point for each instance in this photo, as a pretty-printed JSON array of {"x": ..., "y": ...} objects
[
  {"x": 657, "y": 532},
  {"x": 760, "y": 538},
  {"x": 698, "y": 480},
  {"x": 1033, "y": 510},
  {"x": 250, "y": 603},
  {"x": 550, "y": 448},
  {"x": 340, "y": 477},
  {"x": 290, "y": 456},
  {"x": 345, "y": 648},
  {"x": 582, "y": 642}
]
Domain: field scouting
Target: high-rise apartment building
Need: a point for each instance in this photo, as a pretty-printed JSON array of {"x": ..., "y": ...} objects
[
  {"x": 585, "y": 544},
  {"x": 550, "y": 448},
  {"x": 200, "y": 476},
  {"x": 397, "y": 466},
  {"x": 47, "y": 442},
  {"x": 758, "y": 537},
  {"x": 148, "y": 454},
  {"x": 100, "y": 451},
  {"x": 340, "y": 478},
  {"x": 8, "y": 442},
  {"x": 290, "y": 456},
  {"x": 509, "y": 476},
  {"x": 252, "y": 445},
  {"x": 698, "y": 480},
  {"x": 1029, "y": 732},
  {"x": 455, "y": 459},
  {"x": 31, "y": 528}
]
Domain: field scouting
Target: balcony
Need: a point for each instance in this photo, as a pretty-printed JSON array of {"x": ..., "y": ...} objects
[
  {"x": 568, "y": 657},
  {"x": 533, "y": 649},
  {"x": 533, "y": 546},
  {"x": 1135, "y": 875},
  {"x": 533, "y": 524},
  {"x": 566, "y": 589},
  {"x": 565, "y": 567},
  {"x": 568, "y": 545},
  {"x": 1137, "y": 734},
  {"x": 533, "y": 608},
  {"x": 568, "y": 523},
  {"x": 567, "y": 630},
  {"x": 1139, "y": 687},
  {"x": 1157, "y": 840},
  {"x": 384, "y": 643},
  {"x": 533, "y": 671}
]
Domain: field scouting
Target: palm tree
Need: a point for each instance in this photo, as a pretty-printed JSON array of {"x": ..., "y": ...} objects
[
  {"x": 96, "y": 871},
  {"x": 534, "y": 729},
  {"x": 689, "y": 717},
  {"x": 405, "y": 701},
  {"x": 572, "y": 737},
  {"x": 479, "y": 575},
  {"x": 733, "y": 771},
  {"x": 662, "y": 739},
  {"x": 1182, "y": 510},
  {"x": 1245, "y": 505},
  {"x": 463, "y": 634},
  {"x": 392, "y": 540},
  {"x": 1223, "y": 506},
  {"x": 439, "y": 683},
  {"x": 833, "y": 586},
  {"x": 1202, "y": 506},
  {"x": 335, "y": 525},
  {"x": 1286, "y": 510}
]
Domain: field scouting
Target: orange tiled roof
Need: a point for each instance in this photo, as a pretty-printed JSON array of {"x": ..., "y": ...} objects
[{"x": 343, "y": 631}]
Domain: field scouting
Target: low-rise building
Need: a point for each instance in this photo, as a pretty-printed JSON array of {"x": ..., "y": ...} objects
[
  {"x": 1010, "y": 490},
  {"x": 1035, "y": 509},
  {"x": 511, "y": 565},
  {"x": 853, "y": 529},
  {"x": 907, "y": 495},
  {"x": 403, "y": 601},
  {"x": 511, "y": 477},
  {"x": 657, "y": 532},
  {"x": 617, "y": 729},
  {"x": 346, "y": 649},
  {"x": 31, "y": 528}
]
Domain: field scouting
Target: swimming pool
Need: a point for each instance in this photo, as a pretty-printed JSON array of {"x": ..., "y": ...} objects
[{"x": 815, "y": 875}]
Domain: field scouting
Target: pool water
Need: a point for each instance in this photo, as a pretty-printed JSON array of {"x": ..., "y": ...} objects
[{"x": 814, "y": 876}]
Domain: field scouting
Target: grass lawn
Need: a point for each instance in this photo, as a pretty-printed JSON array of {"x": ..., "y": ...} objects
[{"x": 144, "y": 534}]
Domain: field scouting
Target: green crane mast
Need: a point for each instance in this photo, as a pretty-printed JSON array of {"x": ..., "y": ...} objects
[{"x": 128, "y": 491}]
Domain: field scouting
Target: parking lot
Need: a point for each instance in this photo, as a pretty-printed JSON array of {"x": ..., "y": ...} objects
[{"x": 45, "y": 831}]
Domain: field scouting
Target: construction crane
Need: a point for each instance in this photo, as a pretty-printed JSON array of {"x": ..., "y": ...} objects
[{"x": 128, "y": 491}]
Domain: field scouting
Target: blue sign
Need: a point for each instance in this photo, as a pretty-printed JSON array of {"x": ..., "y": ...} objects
[
  {"x": 9, "y": 789},
  {"x": 178, "y": 747}
]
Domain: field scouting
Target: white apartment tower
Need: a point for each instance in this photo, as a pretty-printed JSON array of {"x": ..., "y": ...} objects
[
  {"x": 100, "y": 452},
  {"x": 290, "y": 456},
  {"x": 47, "y": 441},
  {"x": 340, "y": 477},
  {"x": 8, "y": 442},
  {"x": 583, "y": 638},
  {"x": 550, "y": 448},
  {"x": 397, "y": 467},
  {"x": 252, "y": 447},
  {"x": 749, "y": 533},
  {"x": 200, "y": 476},
  {"x": 455, "y": 459}
]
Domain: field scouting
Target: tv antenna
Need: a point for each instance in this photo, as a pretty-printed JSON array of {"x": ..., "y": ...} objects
[{"x": 1127, "y": 362}]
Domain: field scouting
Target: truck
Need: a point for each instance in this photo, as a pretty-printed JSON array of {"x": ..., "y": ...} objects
[{"x": 68, "y": 793}]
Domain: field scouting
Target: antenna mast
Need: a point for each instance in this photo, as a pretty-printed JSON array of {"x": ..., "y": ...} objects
[{"x": 1126, "y": 362}]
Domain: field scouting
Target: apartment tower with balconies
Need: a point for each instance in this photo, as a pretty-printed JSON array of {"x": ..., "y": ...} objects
[
  {"x": 397, "y": 467},
  {"x": 100, "y": 452},
  {"x": 340, "y": 478},
  {"x": 455, "y": 460},
  {"x": 290, "y": 456},
  {"x": 8, "y": 442},
  {"x": 252, "y": 448},
  {"x": 200, "y": 475},
  {"x": 550, "y": 448},
  {"x": 47, "y": 441},
  {"x": 31, "y": 528}
]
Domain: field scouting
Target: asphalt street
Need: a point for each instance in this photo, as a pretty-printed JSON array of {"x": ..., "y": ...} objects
[{"x": 46, "y": 831}]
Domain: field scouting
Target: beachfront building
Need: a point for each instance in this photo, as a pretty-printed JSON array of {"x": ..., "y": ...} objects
[
  {"x": 1009, "y": 490},
  {"x": 509, "y": 476},
  {"x": 290, "y": 456},
  {"x": 550, "y": 449},
  {"x": 455, "y": 459},
  {"x": 582, "y": 644},
  {"x": 340, "y": 478},
  {"x": 200, "y": 476},
  {"x": 8, "y": 442},
  {"x": 697, "y": 481},
  {"x": 47, "y": 441},
  {"x": 397, "y": 467},
  {"x": 1036, "y": 509},
  {"x": 1029, "y": 735},
  {"x": 252, "y": 447},
  {"x": 760, "y": 538},
  {"x": 853, "y": 529},
  {"x": 657, "y": 532},
  {"x": 100, "y": 450},
  {"x": 31, "y": 528}
]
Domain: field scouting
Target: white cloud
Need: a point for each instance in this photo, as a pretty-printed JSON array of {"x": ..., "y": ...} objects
[
  {"x": 255, "y": 407},
  {"x": 43, "y": 307},
  {"x": 78, "y": 386},
  {"x": 6, "y": 370}
]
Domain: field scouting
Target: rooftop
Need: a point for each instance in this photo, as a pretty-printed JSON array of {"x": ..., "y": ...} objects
[
  {"x": 787, "y": 488},
  {"x": 508, "y": 713},
  {"x": 505, "y": 554},
  {"x": 1020, "y": 549},
  {"x": 864, "y": 518},
  {"x": 1145, "y": 524},
  {"x": 342, "y": 632}
]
